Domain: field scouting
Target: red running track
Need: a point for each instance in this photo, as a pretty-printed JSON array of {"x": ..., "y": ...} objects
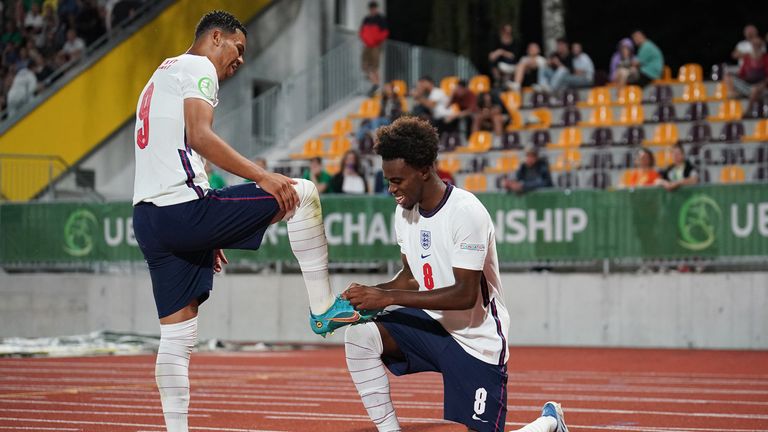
[{"x": 310, "y": 390}]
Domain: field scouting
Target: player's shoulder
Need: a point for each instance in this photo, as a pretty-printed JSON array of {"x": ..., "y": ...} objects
[
  {"x": 191, "y": 61},
  {"x": 461, "y": 199}
]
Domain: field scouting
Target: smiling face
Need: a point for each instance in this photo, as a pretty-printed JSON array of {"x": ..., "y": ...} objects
[
  {"x": 228, "y": 52},
  {"x": 406, "y": 183}
]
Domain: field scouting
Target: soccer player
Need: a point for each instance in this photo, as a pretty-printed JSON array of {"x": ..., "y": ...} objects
[
  {"x": 182, "y": 225},
  {"x": 452, "y": 318}
]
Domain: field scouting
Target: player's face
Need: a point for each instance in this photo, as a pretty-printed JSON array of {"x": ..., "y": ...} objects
[
  {"x": 229, "y": 56},
  {"x": 406, "y": 183}
]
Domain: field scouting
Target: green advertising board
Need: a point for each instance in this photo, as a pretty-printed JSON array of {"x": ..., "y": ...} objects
[{"x": 706, "y": 221}]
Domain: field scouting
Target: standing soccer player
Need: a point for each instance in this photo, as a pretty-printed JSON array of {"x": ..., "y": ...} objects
[
  {"x": 182, "y": 225},
  {"x": 453, "y": 319}
]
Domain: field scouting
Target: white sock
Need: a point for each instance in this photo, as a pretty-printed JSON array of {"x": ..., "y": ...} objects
[
  {"x": 306, "y": 233},
  {"x": 363, "y": 346},
  {"x": 172, "y": 371},
  {"x": 541, "y": 424}
]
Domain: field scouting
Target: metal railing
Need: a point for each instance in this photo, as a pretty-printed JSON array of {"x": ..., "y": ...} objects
[
  {"x": 23, "y": 176},
  {"x": 282, "y": 112}
]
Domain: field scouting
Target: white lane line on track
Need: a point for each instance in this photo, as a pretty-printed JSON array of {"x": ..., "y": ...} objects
[
  {"x": 160, "y": 427},
  {"x": 195, "y": 401},
  {"x": 157, "y": 413},
  {"x": 37, "y": 428}
]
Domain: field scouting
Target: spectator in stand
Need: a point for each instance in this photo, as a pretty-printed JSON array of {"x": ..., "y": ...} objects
[
  {"x": 430, "y": 102},
  {"x": 90, "y": 24},
  {"x": 391, "y": 109},
  {"x": 11, "y": 34},
  {"x": 649, "y": 62},
  {"x": 504, "y": 56},
  {"x": 74, "y": 48},
  {"x": 644, "y": 173},
  {"x": 753, "y": 74},
  {"x": 317, "y": 175},
  {"x": 466, "y": 104},
  {"x": 351, "y": 178},
  {"x": 491, "y": 114},
  {"x": 620, "y": 69},
  {"x": 583, "y": 74},
  {"x": 533, "y": 174},
  {"x": 680, "y": 173},
  {"x": 22, "y": 89},
  {"x": 34, "y": 19},
  {"x": 744, "y": 48},
  {"x": 559, "y": 64},
  {"x": 527, "y": 69},
  {"x": 215, "y": 180},
  {"x": 373, "y": 32},
  {"x": 123, "y": 10}
]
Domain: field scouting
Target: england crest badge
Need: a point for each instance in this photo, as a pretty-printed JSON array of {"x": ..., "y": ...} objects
[{"x": 426, "y": 239}]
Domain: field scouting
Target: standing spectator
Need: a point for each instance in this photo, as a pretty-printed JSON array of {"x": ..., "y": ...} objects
[
  {"x": 215, "y": 179},
  {"x": 491, "y": 114},
  {"x": 373, "y": 32},
  {"x": 466, "y": 102},
  {"x": 680, "y": 173},
  {"x": 74, "y": 47},
  {"x": 753, "y": 74},
  {"x": 744, "y": 48},
  {"x": 559, "y": 64},
  {"x": 533, "y": 174},
  {"x": 583, "y": 74},
  {"x": 317, "y": 175},
  {"x": 527, "y": 69},
  {"x": 644, "y": 173},
  {"x": 430, "y": 102},
  {"x": 391, "y": 109},
  {"x": 504, "y": 55},
  {"x": 22, "y": 89},
  {"x": 649, "y": 62},
  {"x": 351, "y": 179},
  {"x": 620, "y": 69}
]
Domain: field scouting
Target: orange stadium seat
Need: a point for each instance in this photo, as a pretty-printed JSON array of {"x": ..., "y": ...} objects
[
  {"x": 511, "y": 99},
  {"x": 666, "y": 76},
  {"x": 340, "y": 127},
  {"x": 333, "y": 167},
  {"x": 480, "y": 84},
  {"x": 663, "y": 158},
  {"x": 338, "y": 147},
  {"x": 721, "y": 91},
  {"x": 600, "y": 116},
  {"x": 543, "y": 117},
  {"x": 760, "y": 133},
  {"x": 476, "y": 183},
  {"x": 569, "y": 137},
  {"x": 597, "y": 96},
  {"x": 732, "y": 174},
  {"x": 369, "y": 108},
  {"x": 630, "y": 95},
  {"x": 448, "y": 83},
  {"x": 568, "y": 160},
  {"x": 665, "y": 134},
  {"x": 693, "y": 92},
  {"x": 449, "y": 164},
  {"x": 400, "y": 88},
  {"x": 508, "y": 162},
  {"x": 312, "y": 148},
  {"x": 479, "y": 142},
  {"x": 730, "y": 109},
  {"x": 690, "y": 72},
  {"x": 631, "y": 115},
  {"x": 515, "y": 121}
]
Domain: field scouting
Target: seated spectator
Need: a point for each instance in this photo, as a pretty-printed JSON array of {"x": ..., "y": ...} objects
[
  {"x": 753, "y": 74},
  {"x": 351, "y": 179},
  {"x": 491, "y": 114},
  {"x": 644, "y": 173},
  {"x": 527, "y": 70},
  {"x": 504, "y": 55},
  {"x": 466, "y": 101},
  {"x": 34, "y": 19},
  {"x": 74, "y": 47},
  {"x": 431, "y": 102},
  {"x": 621, "y": 69},
  {"x": 649, "y": 63},
  {"x": 391, "y": 109},
  {"x": 22, "y": 89},
  {"x": 533, "y": 174},
  {"x": 317, "y": 175},
  {"x": 11, "y": 35},
  {"x": 680, "y": 173},
  {"x": 743, "y": 48},
  {"x": 583, "y": 74},
  {"x": 559, "y": 64},
  {"x": 215, "y": 180}
]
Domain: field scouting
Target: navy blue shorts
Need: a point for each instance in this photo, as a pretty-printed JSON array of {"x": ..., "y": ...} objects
[
  {"x": 178, "y": 241},
  {"x": 475, "y": 391}
]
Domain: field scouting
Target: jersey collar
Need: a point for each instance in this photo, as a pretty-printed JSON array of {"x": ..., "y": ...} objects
[{"x": 446, "y": 194}]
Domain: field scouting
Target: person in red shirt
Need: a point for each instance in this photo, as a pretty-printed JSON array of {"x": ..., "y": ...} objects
[
  {"x": 753, "y": 73},
  {"x": 373, "y": 32},
  {"x": 644, "y": 173}
]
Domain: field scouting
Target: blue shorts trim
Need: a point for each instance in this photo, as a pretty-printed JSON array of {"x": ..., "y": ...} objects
[
  {"x": 475, "y": 391},
  {"x": 178, "y": 241}
]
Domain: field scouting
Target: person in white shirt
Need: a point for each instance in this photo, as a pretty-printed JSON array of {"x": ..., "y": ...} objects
[
  {"x": 431, "y": 102},
  {"x": 744, "y": 48},
  {"x": 451, "y": 316},
  {"x": 583, "y": 74},
  {"x": 34, "y": 19},
  {"x": 74, "y": 47},
  {"x": 22, "y": 88},
  {"x": 182, "y": 224}
]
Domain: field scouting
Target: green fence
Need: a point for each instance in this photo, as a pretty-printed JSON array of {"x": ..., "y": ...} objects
[{"x": 707, "y": 221}]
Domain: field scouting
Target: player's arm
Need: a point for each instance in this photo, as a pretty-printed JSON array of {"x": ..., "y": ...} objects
[
  {"x": 404, "y": 279},
  {"x": 198, "y": 117}
]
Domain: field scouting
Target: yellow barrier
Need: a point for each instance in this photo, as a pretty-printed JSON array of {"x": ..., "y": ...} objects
[{"x": 73, "y": 121}]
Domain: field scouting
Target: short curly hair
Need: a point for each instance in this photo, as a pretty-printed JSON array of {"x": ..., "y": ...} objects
[
  {"x": 219, "y": 19},
  {"x": 409, "y": 138}
]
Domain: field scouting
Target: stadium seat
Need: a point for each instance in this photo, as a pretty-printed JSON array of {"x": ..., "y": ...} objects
[
  {"x": 720, "y": 93},
  {"x": 400, "y": 88},
  {"x": 570, "y": 97},
  {"x": 665, "y": 134},
  {"x": 333, "y": 167},
  {"x": 476, "y": 183},
  {"x": 312, "y": 148},
  {"x": 512, "y": 100},
  {"x": 511, "y": 140},
  {"x": 541, "y": 138},
  {"x": 761, "y": 173},
  {"x": 569, "y": 137},
  {"x": 508, "y": 162},
  {"x": 666, "y": 76},
  {"x": 449, "y": 164},
  {"x": 761, "y": 155},
  {"x": 732, "y": 174},
  {"x": 693, "y": 92},
  {"x": 696, "y": 111},
  {"x": 515, "y": 121},
  {"x": 630, "y": 95},
  {"x": 540, "y": 99},
  {"x": 369, "y": 108},
  {"x": 631, "y": 115},
  {"x": 341, "y": 127},
  {"x": 665, "y": 113},
  {"x": 479, "y": 142},
  {"x": 567, "y": 160},
  {"x": 661, "y": 93},
  {"x": 602, "y": 137},
  {"x": 597, "y": 96},
  {"x": 600, "y": 180},
  {"x": 600, "y": 160},
  {"x": 448, "y": 83},
  {"x": 449, "y": 141},
  {"x": 690, "y": 72},
  {"x": 633, "y": 135},
  {"x": 543, "y": 117},
  {"x": 338, "y": 147},
  {"x": 571, "y": 116},
  {"x": 663, "y": 158},
  {"x": 479, "y": 84},
  {"x": 600, "y": 116},
  {"x": 730, "y": 109},
  {"x": 732, "y": 132},
  {"x": 760, "y": 133},
  {"x": 567, "y": 180}
]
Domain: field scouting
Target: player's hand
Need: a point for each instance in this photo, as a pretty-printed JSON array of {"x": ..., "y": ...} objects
[
  {"x": 219, "y": 259},
  {"x": 367, "y": 297},
  {"x": 281, "y": 187}
]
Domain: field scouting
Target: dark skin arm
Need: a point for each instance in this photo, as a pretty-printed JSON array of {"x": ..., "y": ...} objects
[{"x": 403, "y": 291}]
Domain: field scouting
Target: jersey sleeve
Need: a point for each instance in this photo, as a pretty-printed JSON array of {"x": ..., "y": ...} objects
[
  {"x": 199, "y": 81},
  {"x": 471, "y": 228},
  {"x": 399, "y": 219}
]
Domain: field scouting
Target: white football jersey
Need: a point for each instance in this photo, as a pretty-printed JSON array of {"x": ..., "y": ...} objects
[
  {"x": 167, "y": 170},
  {"x": 458, "y": 233}
]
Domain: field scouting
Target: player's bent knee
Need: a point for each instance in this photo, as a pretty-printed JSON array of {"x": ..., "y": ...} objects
[
  {"x": 306, "y": 190},
  {"x": 364, "y": 335}
]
